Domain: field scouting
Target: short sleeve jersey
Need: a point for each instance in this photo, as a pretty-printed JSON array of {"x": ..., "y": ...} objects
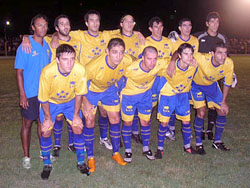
[
  {"x": 164, "y": 46},
  {"x": 74, "y": 43},
  {"x": 193, "y": 41},
  {"x": 92, "y": 46},
  {"x": 208, "y": 72},
  {"x": 102, "y": 76},
  {"x": 139, "y": 80},
  {"x": 32, "y": 65},
  {"x": 58, "y": 88},
  {"x": 180, "y": 82}
]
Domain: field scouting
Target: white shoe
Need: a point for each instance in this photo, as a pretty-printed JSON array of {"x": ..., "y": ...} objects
[
  {"x": 26, "y": 162},
  {"x": 106, "y": 143},
  {"x": 234, "y": 81}
]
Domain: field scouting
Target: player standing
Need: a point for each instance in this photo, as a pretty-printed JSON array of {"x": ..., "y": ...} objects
[{"x": 28, "y": 69}]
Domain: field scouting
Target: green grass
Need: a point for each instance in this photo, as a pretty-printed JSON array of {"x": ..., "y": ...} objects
[{"x": 176, "y": 169}]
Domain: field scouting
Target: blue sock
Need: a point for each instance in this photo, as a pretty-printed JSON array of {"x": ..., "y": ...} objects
[
  {"x": 115, "y": 135},
  {"x": 79, "y": 146},
  {"x": 58, "y": 129},
  {"x": 161, "y": 136},
  {"x": 186, "y": 132},
  {"x": 198, "y": 126},
  {"x": 126, "y": 135},
  {"x": 220, "y": 124},
  {"x": 70, "y": 135},
  {"x": 171, "y": 123},
  {"x": 135, "y": 124},
  {"x": 89, "y": 138},
  {"x": 145, "y": 135},
  {"x": 46, "y": 146},
  {"x": 103, "y": 124}
]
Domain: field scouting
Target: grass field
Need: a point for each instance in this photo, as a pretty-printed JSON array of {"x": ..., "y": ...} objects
[{"x": 176, "y": 169}]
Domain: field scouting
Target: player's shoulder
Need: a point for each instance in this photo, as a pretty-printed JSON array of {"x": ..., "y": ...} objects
[
  {"x": 229, "y": 61},
  {"x": 192, "y": 37},
  {"x": 51, "y": 66}
]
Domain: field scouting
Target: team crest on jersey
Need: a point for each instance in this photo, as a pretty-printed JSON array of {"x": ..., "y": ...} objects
[
  {"x": 121, "y": 71},
  {"x": 136, "y": 45},
  {"x": 35, "y": 53},
  {"x": 166, "y": 109},
  {"x": 103, "y": 42},
  {"x": 221, "y": 73},
  {"x": 166, "y": 46},
  {"x": 72, "y": 84},
  {"x": 75, "y": 46}
]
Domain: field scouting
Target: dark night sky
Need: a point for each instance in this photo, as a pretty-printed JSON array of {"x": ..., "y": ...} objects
[{"x": 234, "y": 13}]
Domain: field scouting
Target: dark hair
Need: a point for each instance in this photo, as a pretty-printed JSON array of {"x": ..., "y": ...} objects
[
  {"x": 86, "y": 16},
  {"x": 59, "y": 17},
  {"x": 218, "y": 45},
  {"x": 116, "y": 42},
  {"x": 149, "y": 49},
  {"x": 64, "y": 48},
  {"x": 154, "y": 19},
  {"x": 212, "y": 15},
  {"x": 33, "y": 20},
  {"x": 184, "y": 20},
  {"x": 184, "y": 46}
]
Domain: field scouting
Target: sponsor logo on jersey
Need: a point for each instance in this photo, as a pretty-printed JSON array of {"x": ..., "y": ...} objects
[
  {"x": 34, "y": 53},
  {"x": 166, "y": 109}
]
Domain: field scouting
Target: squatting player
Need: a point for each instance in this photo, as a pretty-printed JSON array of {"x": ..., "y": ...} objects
[
  {"x": 174, "y": 96},
  {"x": 28, "y": 69},
  {"x": 103, "y": 73},
  {"x": 212, "y": 67},
  {"x": 62, "y": 84}
]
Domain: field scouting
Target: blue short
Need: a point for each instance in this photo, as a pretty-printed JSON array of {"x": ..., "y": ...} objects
[
  {"x": 155, "y": 93},
  {"x": 32, "y": 113},
  {"x": 211, "y": 93},
  {"x": 67, "y": 109},
  {"x": 109, "y": 99},
  {"x": 142, "y": 102},
  {"x": 178, "y": 103}
]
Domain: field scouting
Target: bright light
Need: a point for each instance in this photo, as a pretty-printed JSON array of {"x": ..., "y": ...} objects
[{"x": 7, "y": 22}]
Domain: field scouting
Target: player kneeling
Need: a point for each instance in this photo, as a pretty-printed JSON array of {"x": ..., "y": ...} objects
[{"x": 62, "y": 84}]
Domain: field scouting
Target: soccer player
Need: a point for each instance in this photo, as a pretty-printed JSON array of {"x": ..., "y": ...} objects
[
  {"x": 212, "y": 67},
  {"x": 28, "y": 69},
  {"x": 174, "y": 97},
  {"x": 62, "y": 84},
  {"x": 185, "y": 27},
  {"x": 137, "y": 94},
  {"x": 207, "y": 40},
  {"x": 103, "y": 73},
  {"x": 62, "y": 26}
]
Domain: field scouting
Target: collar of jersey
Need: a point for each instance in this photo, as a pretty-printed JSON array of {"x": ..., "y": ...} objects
[
  {"x": 177, "y": 64},
  {"x": 212, "y": 61},
  {"x": 65, "y": 75},
  {"x": 92, "y": 35},
  {"x": 142, "y": 68},
  {"x": 185, "y": 40},
  {"x": 155, "y": 39},
  {"x": 127, "y": 35},
  {"x": 106, "y": 59}
]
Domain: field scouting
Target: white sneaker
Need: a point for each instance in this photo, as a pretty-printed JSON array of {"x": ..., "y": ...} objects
[
  {"x": 106, "y": 143},
  {"x": 234, "y": 81},
  {"x": 26, "y": 162}
]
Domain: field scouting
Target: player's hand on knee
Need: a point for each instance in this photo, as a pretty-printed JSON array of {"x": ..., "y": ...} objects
[
  {"x": 26, "y": 45},
  {"x": 47, "y": 127},
  {"x": 224, "y": 108}
]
